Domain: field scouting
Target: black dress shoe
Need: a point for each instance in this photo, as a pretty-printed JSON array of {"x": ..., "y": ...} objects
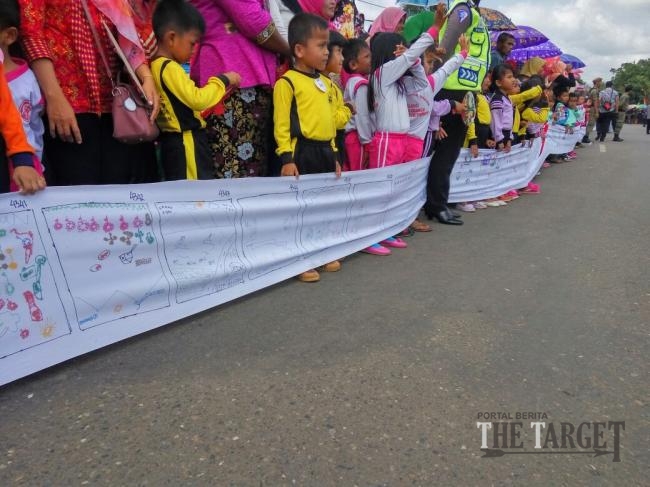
[
  {"x": 443, "y": 217},
  {"x": 453, "y": 213},
  {"x": 617, "y": 139}
]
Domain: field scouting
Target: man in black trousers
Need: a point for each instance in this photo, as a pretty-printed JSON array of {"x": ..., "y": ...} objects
[{"x": 463, "y": 17}]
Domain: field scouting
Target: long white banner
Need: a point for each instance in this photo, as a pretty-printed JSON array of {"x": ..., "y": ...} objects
[
  {"x": 84, "y": 267},
  {"x": 493, "y": 173}
]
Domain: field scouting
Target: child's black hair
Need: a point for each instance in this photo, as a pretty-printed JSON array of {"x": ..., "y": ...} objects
[
  {"x": 560, "y": 90},
  {"x": 336, "y": 39},
  {"x": 573, "y": 94},
  {"x": 382, "y": 48},
  {"x": 499, "y": 71},
  {"x": 9, "y": 14},
  {"x": 301, "y": 28},
  {"x": 351, "y": 52},
  {"x": 177, "y": 15}
]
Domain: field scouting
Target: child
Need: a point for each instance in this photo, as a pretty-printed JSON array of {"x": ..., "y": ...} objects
[
  {"x": 359, "y": 130},
  {"x": 501, "y": 109},
  {"x": 23, "y": 85},
  {"x": 478, "y": 136},
  {"x": 535, "y": 112},
  {"x": 421, "y": 106},
  {"x": 15, "y": 151},
  {"x": 387, "y": 94},
  {"x": 573, "y": 109},
  {"x": 333, "y": 70},
  {"x": 304, "y": 110},
  {"x": 184, "y": 149}
]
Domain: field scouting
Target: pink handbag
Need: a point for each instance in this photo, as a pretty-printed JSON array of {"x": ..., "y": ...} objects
[{"x": 131, "y": 111}]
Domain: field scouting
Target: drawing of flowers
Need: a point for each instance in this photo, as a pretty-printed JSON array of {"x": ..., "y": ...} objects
[{"x": 24, "y": 333}]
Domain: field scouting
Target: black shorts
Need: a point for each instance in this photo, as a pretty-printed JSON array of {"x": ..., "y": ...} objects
[
  {"x": 186, "y": 155},
  {"x": 314, "y": 157}
]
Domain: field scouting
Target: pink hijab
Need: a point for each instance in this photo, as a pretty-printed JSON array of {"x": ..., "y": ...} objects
[
  {"x": 387, "y": 20},
  {"x": 314, "y": 7}
]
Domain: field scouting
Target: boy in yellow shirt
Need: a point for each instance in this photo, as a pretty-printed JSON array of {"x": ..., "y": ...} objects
[
  {"x": 185, "y": 152},
  {"x": 306, "y": 111}
]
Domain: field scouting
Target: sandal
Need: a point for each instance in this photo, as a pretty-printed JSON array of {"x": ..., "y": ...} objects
[
  {"x": 407, "y": 232},
  {"x": 419, "y": 226}
]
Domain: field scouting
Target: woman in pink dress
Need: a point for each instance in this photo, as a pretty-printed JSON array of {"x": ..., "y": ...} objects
[{"x": 240, "y": 36}]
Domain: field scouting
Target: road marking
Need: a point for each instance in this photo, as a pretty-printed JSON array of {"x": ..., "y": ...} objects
[{"x": 603, "y": 147}]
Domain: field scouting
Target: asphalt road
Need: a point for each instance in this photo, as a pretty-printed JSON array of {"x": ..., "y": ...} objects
[{"x": 376, "y": 375}]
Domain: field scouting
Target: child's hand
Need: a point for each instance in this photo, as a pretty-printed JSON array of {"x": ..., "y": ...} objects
[
  {"x": 569, "y": 68},
  {"x": 233, "y": 78},
  {"x": 460, "y": 108},
  {"x": 399, "y": 50},
  {"x": 507, "y": 147},
  {"x": 500, "y": 146},
  {"x": 441, "y": 134},
  {"x": 490, "y": 143},
  {"x": 28, "y": 180},
  {"x": 473, "y": 149},
  {"x": 290, "y": 169},
  {"x": 337, "y": 171},
  {"x": 351, "y": 107},
  {"x": 464, "y": 43}
]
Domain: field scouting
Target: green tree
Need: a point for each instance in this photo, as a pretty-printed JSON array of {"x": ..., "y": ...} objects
[{"x": 637, "y": 75}]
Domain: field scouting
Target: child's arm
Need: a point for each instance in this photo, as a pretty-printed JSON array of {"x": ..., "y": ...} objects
[
  {"x": 419, "y": 81},
  {"x": 395, "y": 69},
  {"x": 198, "y": 99},
  {"x": 362, "y": 118},
  {"x": 18, "y": 149},
  {"x": 531, "y": 115},
  {"x": 525, "y": 96},
  {"x": 342, "y": 112},
  {"x": 282, "y": 99}
]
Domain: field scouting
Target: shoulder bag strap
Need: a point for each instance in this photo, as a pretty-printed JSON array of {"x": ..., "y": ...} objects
[{"x": 98, "y": 42}]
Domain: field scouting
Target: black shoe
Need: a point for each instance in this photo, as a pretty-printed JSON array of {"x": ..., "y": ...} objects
[
  {"x": 452, "y": 214},
  {"x": 443, "y": 217},
  {"x": 586, "y": 140},
  {"x": 617, "y": 139}
]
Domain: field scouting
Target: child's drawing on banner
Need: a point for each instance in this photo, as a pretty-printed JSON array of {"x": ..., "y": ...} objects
[
  {"x": 31, "y": 312},
  {"x": 109, "y": 256},
  {"x": 200, "y": 244}
]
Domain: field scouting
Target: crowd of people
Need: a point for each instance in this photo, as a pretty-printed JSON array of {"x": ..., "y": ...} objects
[{"x": 278, "y": 87}]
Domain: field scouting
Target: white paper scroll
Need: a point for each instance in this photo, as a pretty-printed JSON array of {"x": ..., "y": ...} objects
[{"x": 84, "y": 267}]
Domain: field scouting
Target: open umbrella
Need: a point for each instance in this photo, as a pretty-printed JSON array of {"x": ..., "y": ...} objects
[
  {"x": 545, "y": 51},
  {"x": 524, "y": 37},
  {"x": 572, "y": 60},
  {"x": 495, "y": 20}
]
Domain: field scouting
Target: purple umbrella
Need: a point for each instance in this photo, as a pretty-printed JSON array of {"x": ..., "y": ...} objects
[
  {"x": 524, "y": 37},
  {"x": 572, "y": 60},
  {"x": 545, "y": 51}
]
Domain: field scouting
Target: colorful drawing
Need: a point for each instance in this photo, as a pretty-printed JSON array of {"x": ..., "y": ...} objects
[
  {"x": 110, "y": 248},
  {"x": 23, "y": 311}
]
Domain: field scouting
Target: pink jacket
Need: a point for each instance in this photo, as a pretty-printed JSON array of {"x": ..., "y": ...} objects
[{"x": 232, "y": 31}]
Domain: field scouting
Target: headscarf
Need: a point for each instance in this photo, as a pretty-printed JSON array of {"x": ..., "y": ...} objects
[
  {"x": 121, "y": 16},
  {"x": 312, "y": 7},
  {"x": 315, "y": 7},
  {"x": 532, "y": 66},
  {"x": 387, "y": 21}
]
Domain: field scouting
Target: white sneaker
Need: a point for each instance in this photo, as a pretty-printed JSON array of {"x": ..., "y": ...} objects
[
  {"x": 493, "y": 203},
  {"x": 468, "y": 207},
  {"x": 479, "y": 205}
]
